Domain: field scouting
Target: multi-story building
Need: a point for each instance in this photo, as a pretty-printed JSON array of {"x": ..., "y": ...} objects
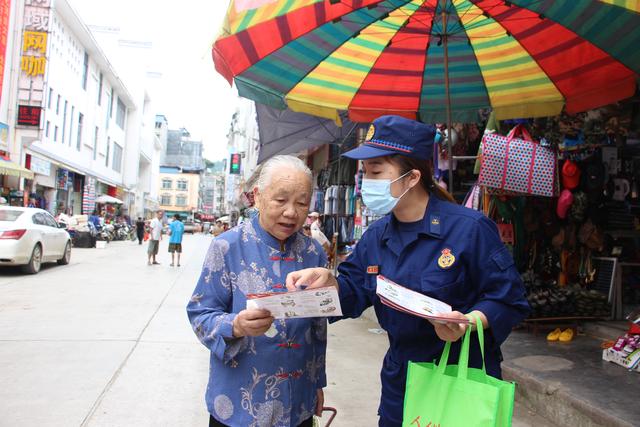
[
  {"x": 179, "y": 191},
  {"x": 183, "y": 152},
  {"x": 212, "y": 188},
  {"x": 78, "y": 127},
  {"x": 180, "y": 172},
  {"x": 131, "y": 58}
]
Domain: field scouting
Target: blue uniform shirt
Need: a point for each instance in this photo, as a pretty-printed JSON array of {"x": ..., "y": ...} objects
[
  {"x": 270, "y": 380},
  {"x": 177, "y": 230},
  {"x": 456, "y": 256}
]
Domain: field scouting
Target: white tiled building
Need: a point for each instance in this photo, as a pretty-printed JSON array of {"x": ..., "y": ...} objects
[{"x": 96, "y": 135}]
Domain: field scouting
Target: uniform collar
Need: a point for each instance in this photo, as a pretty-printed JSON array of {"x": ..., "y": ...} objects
[
  {"x": 432, "y": 223},
  {"x": 268, "y": 239}
]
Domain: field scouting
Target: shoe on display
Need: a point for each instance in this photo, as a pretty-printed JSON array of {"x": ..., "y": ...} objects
[
  {"x": 566, "y": 335},
  {"x": 554, "y": 335}
]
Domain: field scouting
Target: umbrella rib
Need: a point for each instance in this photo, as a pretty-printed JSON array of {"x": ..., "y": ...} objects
[
  {"x": 325, "y": 127},
  {"x": 290, "y": 134},
  {"x": 498, "y": 4},
  {"x": 398, "y": 8}
]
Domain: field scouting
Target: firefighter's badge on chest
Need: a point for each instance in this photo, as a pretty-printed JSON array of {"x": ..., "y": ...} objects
[{"x": 447, "y": 259}]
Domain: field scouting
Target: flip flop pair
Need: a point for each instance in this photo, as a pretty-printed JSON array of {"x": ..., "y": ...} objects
[{"x": 560, "y": 335}]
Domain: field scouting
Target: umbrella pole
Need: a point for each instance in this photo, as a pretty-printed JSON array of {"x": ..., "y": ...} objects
[{"x": 445, "y": 41}]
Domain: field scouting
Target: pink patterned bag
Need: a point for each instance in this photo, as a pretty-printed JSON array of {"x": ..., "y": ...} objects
[{"x": 517, "y": 164}]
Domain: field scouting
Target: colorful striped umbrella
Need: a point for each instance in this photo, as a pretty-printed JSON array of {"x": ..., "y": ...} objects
[{"x": 428, "y": 59}]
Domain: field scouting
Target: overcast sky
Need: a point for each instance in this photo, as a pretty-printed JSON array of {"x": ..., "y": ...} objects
[{"x": 194, "y": 95}]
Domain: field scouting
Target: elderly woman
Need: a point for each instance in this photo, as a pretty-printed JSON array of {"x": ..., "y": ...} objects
[{"x": 263, "y": 372}]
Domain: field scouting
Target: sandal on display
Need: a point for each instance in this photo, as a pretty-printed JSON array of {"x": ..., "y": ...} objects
[
  {"x": 566, "y": 335},
  {"x": 554, "y": 335}
]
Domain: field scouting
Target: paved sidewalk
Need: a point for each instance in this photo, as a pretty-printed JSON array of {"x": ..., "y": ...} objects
[
  {"x": 105, "y": 341},
  {"x": 570, "y": 382}
]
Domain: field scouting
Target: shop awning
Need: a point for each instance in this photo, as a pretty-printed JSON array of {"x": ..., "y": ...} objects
[
  {"x": 108, "y": 199},
  {"x": 10, "y": 168},
  {"x": 288, "y": 132}
]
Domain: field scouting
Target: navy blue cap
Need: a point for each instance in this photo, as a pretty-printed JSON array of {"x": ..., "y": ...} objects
[{"x": 389, "y": 135}]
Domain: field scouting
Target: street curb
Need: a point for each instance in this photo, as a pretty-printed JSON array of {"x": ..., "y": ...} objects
[{"x": 558, "y": 405}]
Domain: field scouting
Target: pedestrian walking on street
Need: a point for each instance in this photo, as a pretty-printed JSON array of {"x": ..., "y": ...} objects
[
  {"x": 262, "y": 372},
  {"x": 176, "y": 231},
  {"x": 140, "y": 229},
  {"x": 155, "y": 238},
  {"x": 431, "y": 245}
]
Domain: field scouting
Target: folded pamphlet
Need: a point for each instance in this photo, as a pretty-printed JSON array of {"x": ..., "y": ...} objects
[
  {"x": 407, "y": 301},
  {"x": 318, "y": 302}
]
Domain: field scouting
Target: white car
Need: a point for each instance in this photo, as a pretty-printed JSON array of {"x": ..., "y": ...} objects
[{"x": 30, "y": 237}]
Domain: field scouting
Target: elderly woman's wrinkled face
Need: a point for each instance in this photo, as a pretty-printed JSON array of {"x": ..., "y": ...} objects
[{"x": 284, "y": 204}]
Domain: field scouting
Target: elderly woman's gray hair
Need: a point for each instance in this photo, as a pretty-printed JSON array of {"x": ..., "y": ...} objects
[{"x": 278, "y": 163}]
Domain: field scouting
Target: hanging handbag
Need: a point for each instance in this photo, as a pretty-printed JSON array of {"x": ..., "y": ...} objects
[
  {"x": 517, "y": 164},
  {"x": 456, "y": 395}
]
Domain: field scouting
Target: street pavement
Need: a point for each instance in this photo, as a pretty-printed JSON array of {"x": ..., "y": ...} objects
[{"x": 105, "y": 341}]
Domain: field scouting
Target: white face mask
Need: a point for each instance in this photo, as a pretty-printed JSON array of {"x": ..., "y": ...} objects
[{"x": 376, "y": 194}]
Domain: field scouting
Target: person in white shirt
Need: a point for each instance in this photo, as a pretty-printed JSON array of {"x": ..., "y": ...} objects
[
  {"x": 154, "y": 238},
  {"x": 316, "y": 232}
]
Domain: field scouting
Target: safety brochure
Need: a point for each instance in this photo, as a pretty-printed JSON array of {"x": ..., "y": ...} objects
[
  {"x": 402, "y": 299},
  {"x": 318, "y": 302}
]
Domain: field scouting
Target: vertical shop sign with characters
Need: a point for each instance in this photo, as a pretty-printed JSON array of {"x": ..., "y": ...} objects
[
  {"x": 5, "y": 11},
  {"x": 33, "y": 64}
]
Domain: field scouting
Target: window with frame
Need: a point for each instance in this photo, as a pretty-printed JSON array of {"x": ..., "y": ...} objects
[
  {"x": 181, "y": 200},
  {"x": 80, "y": 126},
  {"x": 58, "y": 105},
  {"x": 165, "y": 200},
  {"x": 64, "y": 120},
  {"x": 85, "y": 71},
  {"x": 106, "y": 160},
  {"x": 55, "y": 134},
  {"x": 47, "y": 128},
  {"x": 100, "y": 82},
  {"x": 73, "y": 113},
  {"x": 109, "y": 105},
  {"x": 121, "y": 114},
  {"x": 167, "y": 183},
  {"x": 49, "y": 100},
  {"x": 182, "y": 184},
  {"x": 113, "y": 94},
  {"x": 96, "y": 133},
  {"x": 117, "y": 157}
]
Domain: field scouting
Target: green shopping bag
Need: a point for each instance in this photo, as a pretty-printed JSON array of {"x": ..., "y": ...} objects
[{"x": 452, "y": 396}]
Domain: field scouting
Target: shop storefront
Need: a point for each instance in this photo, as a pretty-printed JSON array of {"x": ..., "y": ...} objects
[
  {"x": 572, "y": 225},
  {"x": 43, "y": 186},
  {"x": 10, "y": 175}
]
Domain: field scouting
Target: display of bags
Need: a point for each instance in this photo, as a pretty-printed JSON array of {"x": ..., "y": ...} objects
[
  {"x": 517, "y": 164},
  {"x": 456, "y": 396}
]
